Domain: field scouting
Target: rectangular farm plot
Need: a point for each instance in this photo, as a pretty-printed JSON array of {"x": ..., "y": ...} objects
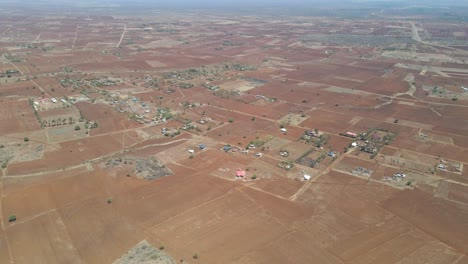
[
  {"x": 395, "y": 249},
  {"x": 266, "y": 168},
  {"x": 294, "y": 149},
  {"x": 434, "y": 252},
  {"x": 43, "y": 238},
  {"x": 328, "y": 121},
  {"x": 27, "y": 202},
  {"x": 17, "y": 116},
  {"x": 356, "y": 167},
  {"x": 410, "y": 160},
  {"x": 106, "y": 234},
  {"x": 160, "y": 200},
  {"x": 71, "y": 152},
  {"x": 228, "y": 169},
  {"x": 222, "y": 230},
  {"x": 62, "y": 112},
  {"x": 294, "y": 247},
  {"x": 430, "y": 215},
  {"x": 365, "y": 241},
  {"x": 238, "y": 85},
  {"x": 67, "y": 132},
  {"x": 283, "y": 187},
  {"x": 384, "y": 86}
]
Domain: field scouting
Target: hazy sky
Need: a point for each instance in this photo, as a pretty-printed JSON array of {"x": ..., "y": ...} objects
[{"x": 234, "y": 5}]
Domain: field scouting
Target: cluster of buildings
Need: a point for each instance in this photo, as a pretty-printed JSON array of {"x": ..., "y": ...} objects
[
  {"x": 227, "y": 148},
  {"x": 362, "y": 171},
  {"x": 143, "y": 112},
  {"x": 397, "y": 177},
  {"x": 372, "y": 141},
  {"x": 44, "y": 103}
]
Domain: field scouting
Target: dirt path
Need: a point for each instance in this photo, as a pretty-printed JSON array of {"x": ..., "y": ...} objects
[
  {"x": 411, "y": 90},
  {"x": 10, "y": 253},
  {"x": 416, "y": 37},
  {"x": 76, "y": 36},
  {"x": 40, "y": 88},
  {"x": 121, "y": 37},
  {"x": 181, "y": 93},
  {"x": 37, "y": 38},
  {"x": 415, "y": 32},
  {"x": 316, "y": 177},
  {"x": 16, "y": 67},
  {"x": 239, "y": 188},
  {"x": 6, "y": 30},
  {"x": 88, "y": 162}
]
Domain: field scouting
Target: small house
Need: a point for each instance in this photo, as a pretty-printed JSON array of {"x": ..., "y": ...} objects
[
  {"x": 240, "y": 173},
  {"x": 310, "y": 133},
  {"x": 226, "y": 148},
  {"x": 351, "y": 134}
]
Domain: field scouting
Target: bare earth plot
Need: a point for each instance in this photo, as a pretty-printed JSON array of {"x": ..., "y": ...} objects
[{"x": 162, "y": 137}]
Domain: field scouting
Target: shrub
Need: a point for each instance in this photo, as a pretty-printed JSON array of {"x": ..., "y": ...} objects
[
  {"x": 109, "y": 200},
  {"x": 161, "y": 247},
  {"x": 254, "y": 177},
  {"x": 12, "y": 218},
  {"x": 195, "y": 256},
  {"x": 77, "y": 128},
  {"x": 26, "y": 139}
]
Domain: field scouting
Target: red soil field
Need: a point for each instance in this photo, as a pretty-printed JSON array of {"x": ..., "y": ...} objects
[
  {"x": 71, "y": 153},
  {"x": 427, "y": 213},
  {"x": 328, "y": 121},
  {"x": 75, "y": 202},
  {"x": 20, "y": 89},
  {"x": 17, "y": 116}
]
